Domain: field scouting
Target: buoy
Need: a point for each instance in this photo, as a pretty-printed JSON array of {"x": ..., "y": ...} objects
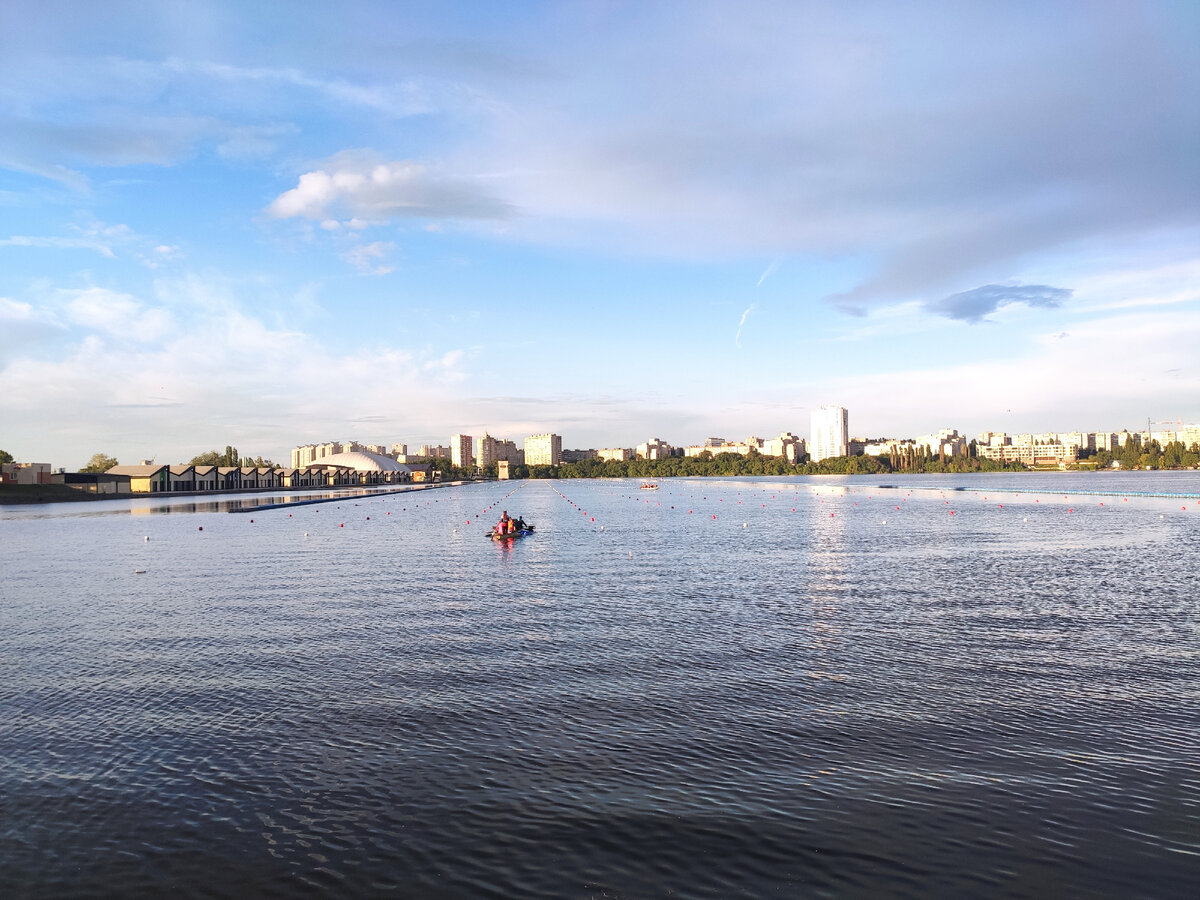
[
  {"x": 146, "y": 538},
  {"x": 744, "y": 524},
  {"x": 251, "y": 521},
  {"x": 139, "y": 571},
  {"x": 201, "y": 528}
]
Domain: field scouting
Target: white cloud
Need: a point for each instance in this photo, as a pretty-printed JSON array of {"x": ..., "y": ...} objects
[
  {"x": 366, "y": 257},
  {"x": 363, "y": 187},
  {"x": 219, "y": 375},
  {"x": 117, "y": 315},
  {"x": 1102, "y": 374},
  {"x": 22, "y": 327}
]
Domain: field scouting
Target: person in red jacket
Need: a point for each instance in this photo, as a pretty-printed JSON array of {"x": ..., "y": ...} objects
[{"x": 502, "y": 527}]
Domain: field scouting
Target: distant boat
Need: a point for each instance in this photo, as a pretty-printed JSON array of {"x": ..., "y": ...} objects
[{"x": 649, "y": 486}]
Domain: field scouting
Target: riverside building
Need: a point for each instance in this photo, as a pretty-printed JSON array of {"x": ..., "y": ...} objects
[
  {"x": 543, "y": 450},
  {"x": 495, "y": 450},
  {"x": 462, "y": 450},
  {"x": 654, "y": 449},
  {"x": 830, "y": 430}
]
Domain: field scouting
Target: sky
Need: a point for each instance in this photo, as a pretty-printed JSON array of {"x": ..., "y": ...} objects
[{"x": 274, "y": 224}]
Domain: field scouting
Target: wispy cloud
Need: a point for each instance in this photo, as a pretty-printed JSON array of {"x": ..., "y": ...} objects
[
  {"x": 367, "y": 258},
  {"x": 768, "y": 272},
  {"x": 737, "y": 338},
  {"x": 57, "y": 243}
]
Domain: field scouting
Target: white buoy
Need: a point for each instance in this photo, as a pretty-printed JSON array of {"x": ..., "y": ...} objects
[
  {"x": 744, "y": 524},
  {"x": 306, "y": 534},
  {"x": 885, "y": 521},
  {"x": 146, "y": 538}
]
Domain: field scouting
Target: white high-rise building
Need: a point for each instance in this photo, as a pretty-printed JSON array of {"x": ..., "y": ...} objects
[
  {"x": 543, "y": 450},
  {"x": 830, "y": 433},
  {"x": 462, "y": 449}
]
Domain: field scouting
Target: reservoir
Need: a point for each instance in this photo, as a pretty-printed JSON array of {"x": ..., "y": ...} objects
[{"x": 983, "y": 685}]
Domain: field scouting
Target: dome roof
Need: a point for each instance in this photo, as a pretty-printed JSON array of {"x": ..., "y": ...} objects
[{"x": 362, "y": 461}]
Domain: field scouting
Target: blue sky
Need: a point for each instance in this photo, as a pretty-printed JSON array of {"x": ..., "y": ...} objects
[{"x": 276, "y": 223}]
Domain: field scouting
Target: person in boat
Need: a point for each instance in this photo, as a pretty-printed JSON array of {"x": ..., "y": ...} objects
[
  {"x": 521, "y": 526},
  {"x": 502, "y": 527}
]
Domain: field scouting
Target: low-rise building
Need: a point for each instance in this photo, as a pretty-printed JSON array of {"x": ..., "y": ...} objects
[
  {"x": 182, "y": 478},
  {"x": 947, "y": 442},
  {"x": 1032, "y": 455},
  {"x": 787, "y": 445},
  {"x": 617, "y": 454},
  {"x": 207, "y": 478},
  {"x": 574, "y": 456},
  {"x": 25, "y": 473},
  {"x": 94, "y": 482},
  {"x": 146, "y": 478}
]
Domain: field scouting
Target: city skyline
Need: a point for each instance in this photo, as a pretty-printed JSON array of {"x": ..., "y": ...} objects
[{"x": 223, "y": 226}]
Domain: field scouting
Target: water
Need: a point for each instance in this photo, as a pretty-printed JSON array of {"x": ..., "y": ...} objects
[{"x": 813, "y": 694}]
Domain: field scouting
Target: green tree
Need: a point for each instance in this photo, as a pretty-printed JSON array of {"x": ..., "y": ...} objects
[
  {"x": 100, "y": 462},
  {"x": 6, "y": 457},
  {"x": 229, "y": 458}
]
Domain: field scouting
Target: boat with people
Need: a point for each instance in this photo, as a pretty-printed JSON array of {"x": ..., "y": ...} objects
[
  {"x": 511, "y": 535},
  {"x": 649, "y": 486},
  {"x": 508, "y": 528}
]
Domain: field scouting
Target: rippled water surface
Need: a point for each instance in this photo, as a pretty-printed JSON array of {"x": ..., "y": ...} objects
[{"x": 950, "y": 686}]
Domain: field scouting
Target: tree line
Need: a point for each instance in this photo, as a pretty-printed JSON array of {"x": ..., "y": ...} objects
[{"x": 1153, "y": 456}]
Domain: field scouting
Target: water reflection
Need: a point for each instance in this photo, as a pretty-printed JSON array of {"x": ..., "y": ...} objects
[{"x": 152, "y": 506}]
